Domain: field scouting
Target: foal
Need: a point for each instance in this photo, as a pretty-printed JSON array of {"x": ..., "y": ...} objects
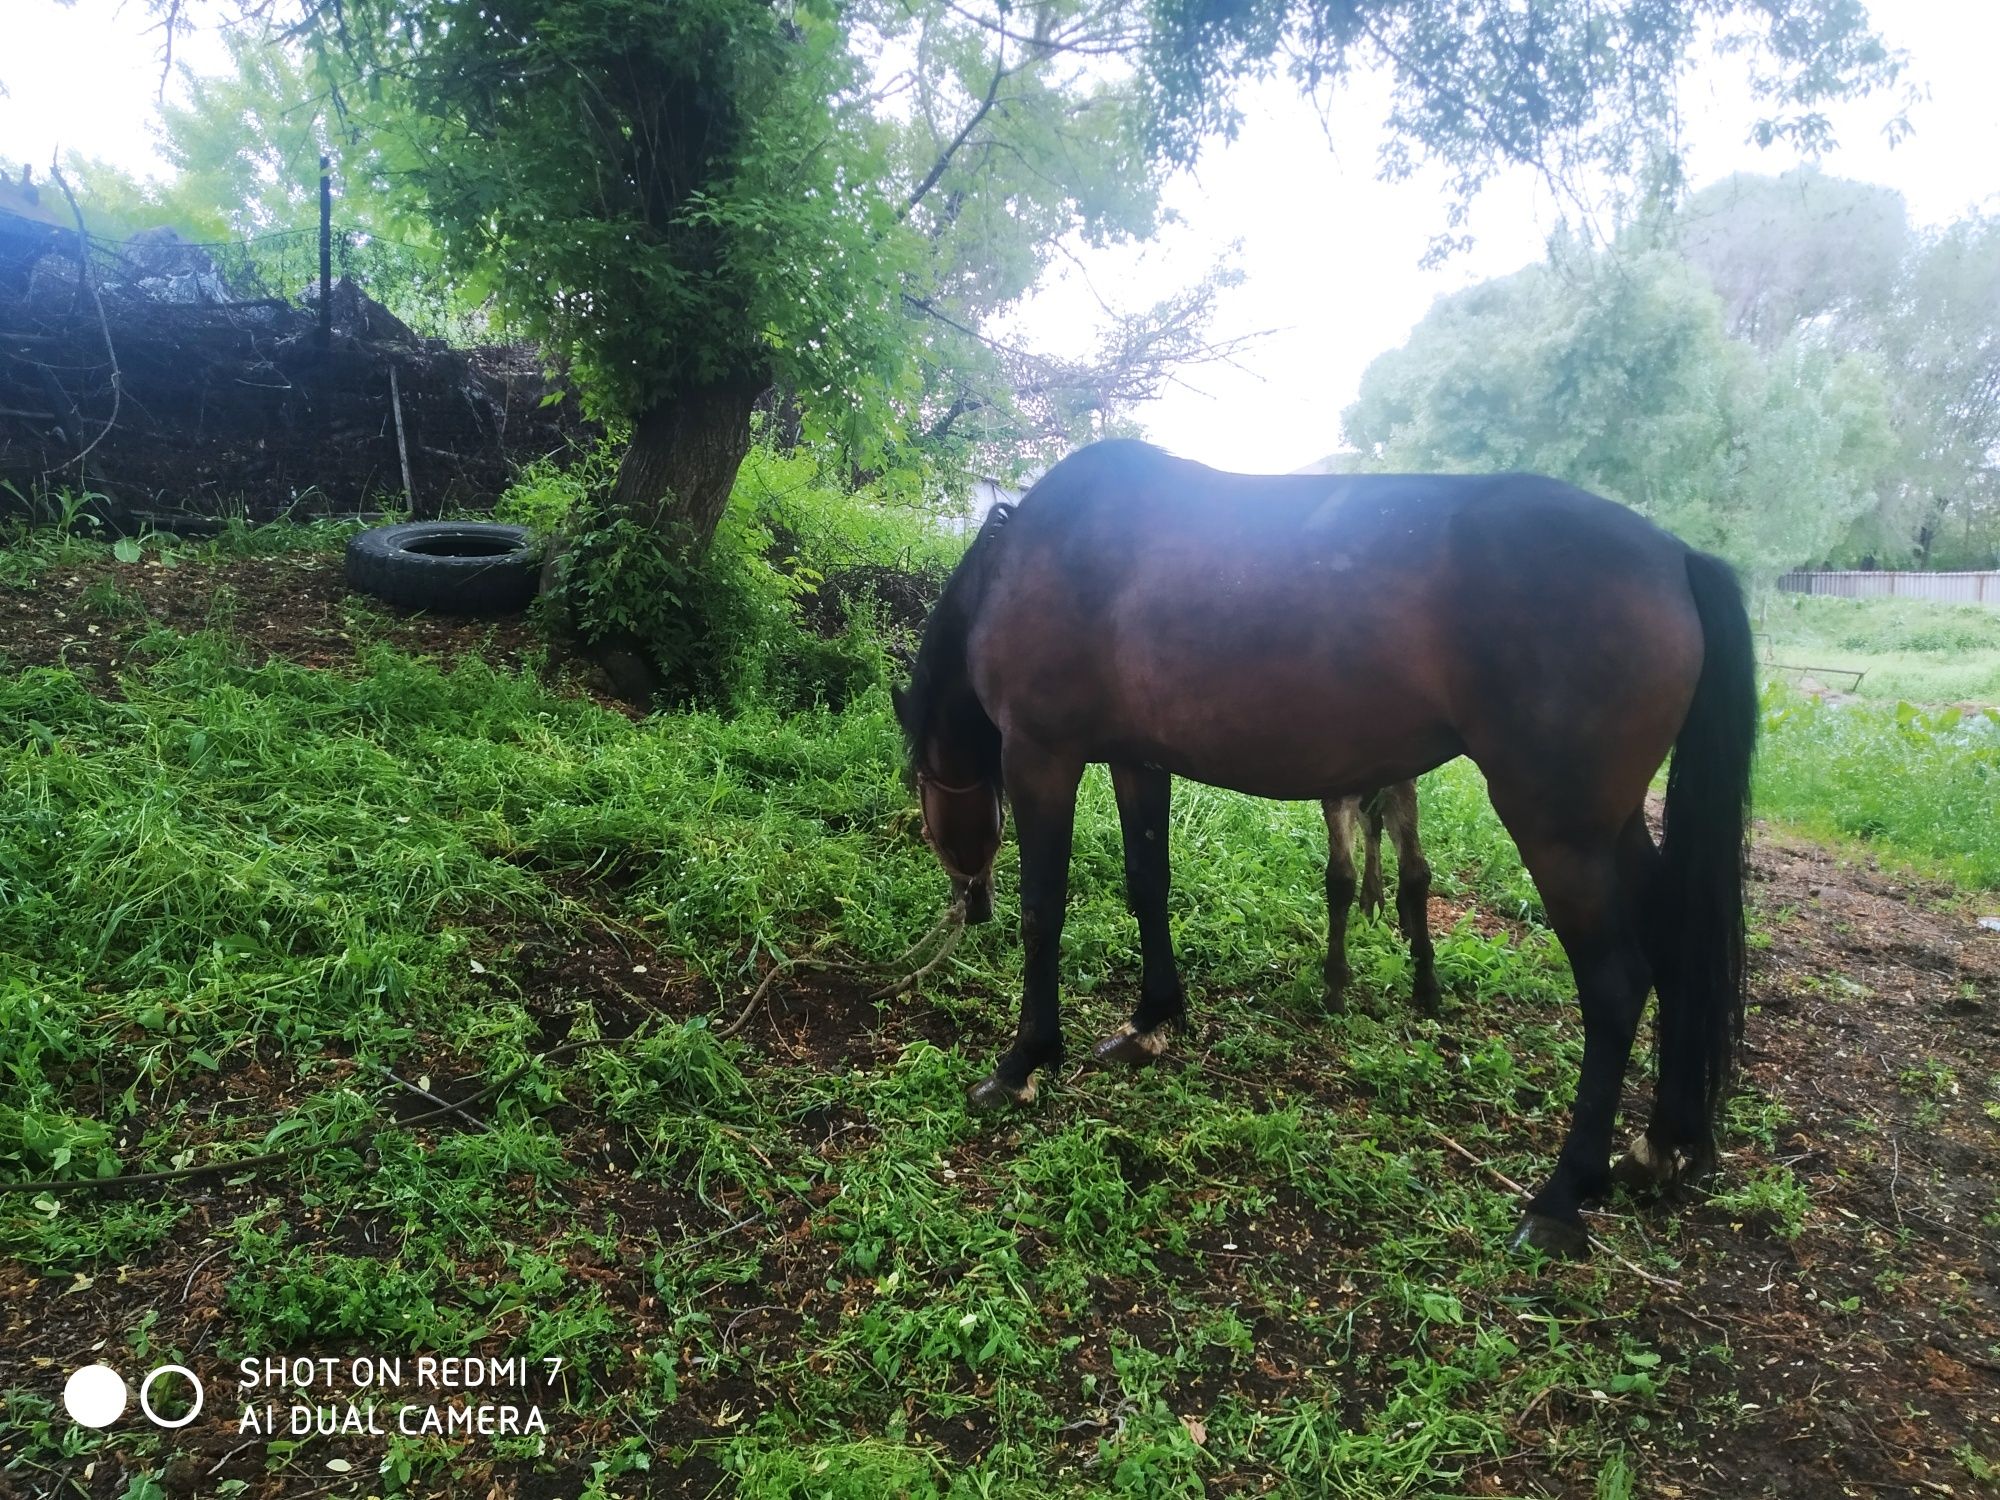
[{"x": 1395, "y": 807}]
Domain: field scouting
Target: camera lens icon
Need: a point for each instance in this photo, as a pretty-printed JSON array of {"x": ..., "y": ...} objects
[
  {"x": 96, "y": 1395},
  {"x": 146, "y": 1387}
]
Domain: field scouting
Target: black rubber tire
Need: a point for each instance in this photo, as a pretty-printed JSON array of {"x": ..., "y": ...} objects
[{"x": 448, "y": 567}]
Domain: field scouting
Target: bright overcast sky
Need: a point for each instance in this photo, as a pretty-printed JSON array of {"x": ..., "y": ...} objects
[{"x": 1329, "y": 254}]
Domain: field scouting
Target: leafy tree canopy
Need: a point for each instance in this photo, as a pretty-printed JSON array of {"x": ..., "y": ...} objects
[
  {"x": 1803, "y": 247},
  {"x": 700, "y": 197},
  {"x": 1578, "y": 90},
  {"x": 1808, "y": 256},
  {"x": 1617, "y": 373}
]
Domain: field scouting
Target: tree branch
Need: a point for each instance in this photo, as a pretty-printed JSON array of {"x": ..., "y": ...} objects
[
  {"x": 937, "y": 170},
  {"x": 103, "y": 322}
]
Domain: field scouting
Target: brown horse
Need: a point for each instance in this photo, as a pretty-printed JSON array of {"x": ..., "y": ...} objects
[
  {"x": 1396, "y": 808},
  {"x": 1312, "y": 637}
]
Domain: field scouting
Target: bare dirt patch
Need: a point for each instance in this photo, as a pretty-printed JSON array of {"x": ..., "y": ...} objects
[{"x": 296, "y": 607}]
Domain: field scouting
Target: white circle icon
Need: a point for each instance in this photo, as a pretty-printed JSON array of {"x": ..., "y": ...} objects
[
  {"x": 95, "y": 1396},
  {"x": 146, "y": 1387}
]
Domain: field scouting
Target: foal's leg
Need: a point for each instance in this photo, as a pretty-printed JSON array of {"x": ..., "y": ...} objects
[
  {"x": 1583, "y": 892},
  {"x": 1340, "y": 813},
  {"x": 1398, "y": 807},
  {"x": 1144, "y": 794},
  {"x": 1374, "y": 809},
  {"x": 1042, "y": 788}
]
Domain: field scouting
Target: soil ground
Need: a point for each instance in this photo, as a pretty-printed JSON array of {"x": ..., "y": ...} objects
[
  {"x": 295, "y": 606},
  {"x": 1853, "y": 1351}
]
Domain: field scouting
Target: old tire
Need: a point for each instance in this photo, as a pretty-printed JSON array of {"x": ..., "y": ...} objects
[{"x": 449, "y": 567}]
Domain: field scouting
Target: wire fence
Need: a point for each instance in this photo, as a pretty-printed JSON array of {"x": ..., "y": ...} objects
[
  {"x": 282, "y": 266},
  {"x": 167, "y": 377}
]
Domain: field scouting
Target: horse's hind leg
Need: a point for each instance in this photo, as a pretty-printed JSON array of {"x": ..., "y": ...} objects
[
  {"x": 1042, "y": 788},
  {"x": 1340, "y": 814},
  {"x": 1144, "y": 796},
  {"x": 1677, "y": 1144},
  {"x": 1582, "y": 890},
  {"x": 1398, "y": 805}
]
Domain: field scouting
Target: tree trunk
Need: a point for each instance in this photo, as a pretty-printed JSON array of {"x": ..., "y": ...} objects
[
  {"x": 674, "y": 480},
  {"x": 683, "y": 459}
]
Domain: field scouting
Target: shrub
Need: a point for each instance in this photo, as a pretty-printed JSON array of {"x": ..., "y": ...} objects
[{"x": 783, "y": 607}]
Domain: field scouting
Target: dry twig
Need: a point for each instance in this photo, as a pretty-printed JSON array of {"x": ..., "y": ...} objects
[
  {"x": 951, "y": 925},
  {"x": 103, "y": 321}
]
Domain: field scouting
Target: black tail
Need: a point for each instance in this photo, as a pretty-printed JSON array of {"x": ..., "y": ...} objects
[{"x": 1700, "y": 939}]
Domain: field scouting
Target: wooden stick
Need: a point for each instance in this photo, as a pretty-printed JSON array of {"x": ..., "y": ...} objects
[
  {"x": 423, "y": 1093},
  {"x": 1487, "y": 1167},
  {"x": 1520, "y": 1192},
  {"x": 402, "y": 448}
]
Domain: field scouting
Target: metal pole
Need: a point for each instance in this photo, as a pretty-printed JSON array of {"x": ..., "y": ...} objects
[{"x": 325, "y": 253}]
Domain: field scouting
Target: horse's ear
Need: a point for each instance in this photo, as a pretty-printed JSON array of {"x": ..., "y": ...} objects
[{"x": 901, "y": 702}]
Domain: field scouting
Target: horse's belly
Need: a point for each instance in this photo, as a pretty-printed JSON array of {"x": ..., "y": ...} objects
[{"x": 1292, "y": 735}]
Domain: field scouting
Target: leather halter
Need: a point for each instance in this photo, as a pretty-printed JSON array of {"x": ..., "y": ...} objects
[{"x": 924, "y": 778}]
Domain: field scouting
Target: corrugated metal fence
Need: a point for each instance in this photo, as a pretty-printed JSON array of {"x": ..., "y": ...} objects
[{"x": 1948, "y": 588}]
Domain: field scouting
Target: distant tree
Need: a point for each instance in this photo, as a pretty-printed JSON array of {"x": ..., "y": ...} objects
[
  {"x": 1798, "y": 249},
  {"x": 1942, "y": 345},
  {"x": 1805, "y": 257},
  {"x": 1617, "y": 373}
]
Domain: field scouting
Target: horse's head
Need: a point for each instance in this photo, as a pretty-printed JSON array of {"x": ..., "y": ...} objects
[{"x": 962, "y": 824}]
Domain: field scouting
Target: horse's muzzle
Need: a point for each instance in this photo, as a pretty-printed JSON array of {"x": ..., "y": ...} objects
[{"x": 976, "y": 896}]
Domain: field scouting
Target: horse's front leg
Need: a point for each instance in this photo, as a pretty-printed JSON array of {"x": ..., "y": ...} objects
[
  {"x": 1144, "y": 797},
  {"x": 1042, "y": 788}
]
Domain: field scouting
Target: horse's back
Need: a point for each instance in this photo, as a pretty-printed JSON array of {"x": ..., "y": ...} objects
[{"x": 1298, "y": 635}]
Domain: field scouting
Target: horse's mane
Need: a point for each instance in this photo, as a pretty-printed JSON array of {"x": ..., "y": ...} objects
[{"x": 939, "y": 703}]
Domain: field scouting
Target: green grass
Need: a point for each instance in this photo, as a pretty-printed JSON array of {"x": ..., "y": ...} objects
[
  {"x": 237, "y": 885},
  {"x": 1919, "y": 787},
  {"x": 1908, "y": 648},
  {"x": 229, "y": 894}
]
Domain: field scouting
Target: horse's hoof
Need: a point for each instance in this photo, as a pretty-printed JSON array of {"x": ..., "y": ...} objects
[
  {"x": 990, "y": 1094},
  {"x": 1645, "y": 1170},
  {"x": 1561, "y": 1239},
  {"x": 1336, "y": 995},
  {"x": 1650, "y": 1171},
  {"x": 1429, "y": 1002},
  {"x": 1129, "y": 1047}
]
